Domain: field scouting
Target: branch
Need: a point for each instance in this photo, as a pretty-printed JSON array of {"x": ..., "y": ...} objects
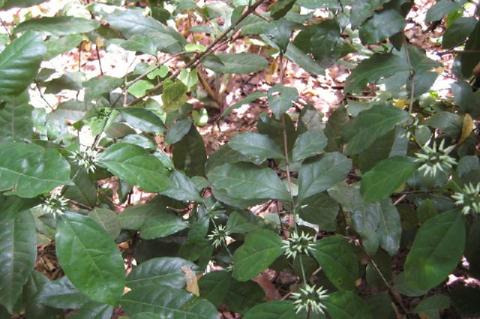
[{"x": 199, "y": 57}]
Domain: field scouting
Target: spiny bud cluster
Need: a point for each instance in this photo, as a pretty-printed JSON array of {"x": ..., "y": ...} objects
[
  {"x": 435, "y": 159},
  {"x": 298, "y": 244},
  {"x": 469, "y": 198},
  {"x": 55, "y": 204},
  {"x": 85, "y": 159},
  {"x": 310, "y": 298},
  {"x": 218, "y": 236}
]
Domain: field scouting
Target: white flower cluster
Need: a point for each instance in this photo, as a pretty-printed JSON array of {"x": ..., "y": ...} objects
[
  {"x": 469, "y": 198},
  {"x": 310, "y": 298},
  {"x": 298, "y": 244},
  {"x": 55, "y": 204},
  {"x": 85, "y": 158},
  {"x": 435, "y": 159},
  {"x": 218, "y": 236}
]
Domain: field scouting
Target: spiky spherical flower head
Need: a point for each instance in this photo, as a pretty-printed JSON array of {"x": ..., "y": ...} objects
[
  {"x": 435, "y": 159},
  {"x": 469, "y": 198},
  {"x": 298, "y": 244},
  {"x": 55, "y": 204},
  {"x": 310, "y": 298},
  {"x": 218, "y": 236},
  {"x": 85, "y": 158}
]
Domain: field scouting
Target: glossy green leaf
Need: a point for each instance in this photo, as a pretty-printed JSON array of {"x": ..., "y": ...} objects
[
  {"x": 61, "y": 25},
  {"x": 62, "y": 294},
  {"x": 8, "y": 4},
  {"x": 440, "y": 9},
  {"x": 430, "y": 307},
  {"x": 17, "y": 254},
  {"x": 34, "y": 309},
  {"x": 469, "y": 59},
  {"x": 182, "y": 188},
  {"x": 94, "y": 310},
  {"x": 241, "y": 63},
  {"x": 309, "y": 144},
  {"x": 167, "y": 302},
  {"x": 436, "y": 251},
  {"x": 15, "y": 122},
  {"x": 133, "y": 22},
  {"x": 143, "y": 120},
  {"x": 161, "y": 224},
  {"x": 280, "y": 8},
  {"x": 321, "y": 210},
  {"x": 246, "y": 181},
  {"x": 363, "y": 10},
  {"x": 381, "y": 26},
  {"x": 178, "y": 130},
  {"x": 458, "y": 32},
  {"x": 247, "y": 100},
  {"x": 136, "y": 166},
  {"x": 19, "y": 63},
  {"x": 347, "y": 305},
  {"x": 108, "y": 219},
  {"x": 386, "y": 177},
  {"x": 372, "y": 124},
  {"x": 56, "y": 46},
  {"x": 90, "y": 258},
  {"x": 189, "y": 154},
  {"x": 318, "y": 176},
  {"x": 39, "y": 171},
  {"x": 281, "y": 98},
  {"x": 259, "y": 251},
  {"x": 155, "y": 272},
  {"x": 272, "y": 310},
  {"x": 324, "y": 41},
  {"x": 257, "y": 147},
  {"x": 338, "y": 260}
]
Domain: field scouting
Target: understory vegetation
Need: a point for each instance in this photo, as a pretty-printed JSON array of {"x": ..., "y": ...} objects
[{"x": 171, "y": 159}]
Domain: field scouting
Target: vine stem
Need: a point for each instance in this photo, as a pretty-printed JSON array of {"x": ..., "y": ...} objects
[
  {"x": 287, "y": 170},
  {"x": 199, "y": 57},
  {"x": 391, "y": 290}
]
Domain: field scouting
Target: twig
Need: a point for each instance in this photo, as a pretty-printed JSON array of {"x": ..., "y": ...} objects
[
  {"x": 99, "y": 59},
  {"x": 199, "y": 57},
  {"x": 391, "y": 290},
  {"x": 411, "y": 78},
  {"x": 4, "y": 25},
  {"x": 43, "y": 97}
]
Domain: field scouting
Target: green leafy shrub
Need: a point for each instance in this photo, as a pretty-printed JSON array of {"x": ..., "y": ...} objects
[{"x": 371, "y": 210}]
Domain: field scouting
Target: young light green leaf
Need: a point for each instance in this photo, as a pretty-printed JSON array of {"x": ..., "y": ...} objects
[
  {"x": 338, "y": 260},
  {"x": 166, "y": 302},
  {"x": 90, "y": 258},
  {"x": 17, "y": 255},
  {"x": 385, "y": 177},
  {"x": 308, "y": 144},
  {"x": 19, "y": 63},
  {"x": 257, "y": 147},
  {"x": 28, "y": 170},
  {"x": 57, "y": 26},
  {"x": 136, "y": 166},
  {"x": 241, "y": 63},
  {"x": 318, "y": 176},
  {"x": 260, "y": 249},
  {"x": 437, "y": 249}
]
